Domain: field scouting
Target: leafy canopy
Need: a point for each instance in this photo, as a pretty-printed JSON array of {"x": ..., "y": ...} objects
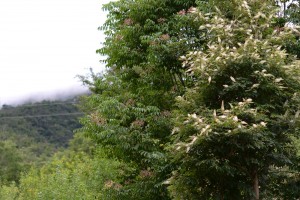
[{"x": 234, "y": 124}]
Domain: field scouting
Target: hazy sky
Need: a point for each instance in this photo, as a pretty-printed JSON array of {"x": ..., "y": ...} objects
[{"x": 44, "y": 44}]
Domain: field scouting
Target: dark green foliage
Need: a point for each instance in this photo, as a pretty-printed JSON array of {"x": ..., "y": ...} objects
[
  {"x": 229, "y": 57},
  {"x": 36, "y": 131},
  {"x": 129, "y": 112},
  {"x": 42, "y": 121},
  {"x": 143, "y": 44},
  {"x": 229, "y": 153},
  {"x": 129, "y": 131}
]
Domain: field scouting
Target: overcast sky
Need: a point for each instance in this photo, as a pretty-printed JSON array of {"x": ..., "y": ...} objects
[{"x": 44, "y": 44}]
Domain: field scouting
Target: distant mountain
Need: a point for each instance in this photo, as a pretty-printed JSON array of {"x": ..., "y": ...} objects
[{"x": 40, "y": 129}]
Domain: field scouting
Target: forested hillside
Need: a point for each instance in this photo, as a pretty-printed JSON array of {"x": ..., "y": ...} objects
[
  {"x": 31, "y": 133},
  {"x": 200, "y": 100},
  {"x": 51, "y": 121}
]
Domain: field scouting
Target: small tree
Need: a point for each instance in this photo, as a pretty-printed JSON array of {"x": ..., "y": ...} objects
[
  {"x": 11, "y": 162},
  {"x": 234, "y": 124}
]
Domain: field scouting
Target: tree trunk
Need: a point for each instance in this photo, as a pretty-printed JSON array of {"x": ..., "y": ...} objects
[{"x": 255, "y": 186}]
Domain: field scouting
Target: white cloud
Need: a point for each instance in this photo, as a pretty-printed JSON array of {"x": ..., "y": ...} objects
[{"x": 44, "y": 44}]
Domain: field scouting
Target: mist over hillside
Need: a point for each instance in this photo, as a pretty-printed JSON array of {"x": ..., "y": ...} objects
[{"x": 55, "y": 95}]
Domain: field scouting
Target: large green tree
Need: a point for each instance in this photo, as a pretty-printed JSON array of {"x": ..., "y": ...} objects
[
  {"x": 216, "y": 71},
  {"x": 144, "y": 41},
  {"x": 131, "y": 104},
  {"x": 234, "y": 126}
]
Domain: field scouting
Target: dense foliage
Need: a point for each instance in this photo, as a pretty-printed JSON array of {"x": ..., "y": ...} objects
[
  {"x": 235, "y": 61},
  {"x": 31, "y": 133},
  {"x": 79, "y": 173},
  {"x": 45, "y": 121},
  {"x": 200, "y": 100}
]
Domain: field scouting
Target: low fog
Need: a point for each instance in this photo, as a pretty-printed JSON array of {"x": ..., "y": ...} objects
[
  {"x": 58, "y": 94},
  {"x": 44, "y": 45}
]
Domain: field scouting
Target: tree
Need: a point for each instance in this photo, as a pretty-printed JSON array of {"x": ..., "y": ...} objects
[
  {"x": 11, "y": 162},
  {"x": 234, "y": 124},
  {"x": 129, "y": 110},
  {"x": 144, "y": 41},
  {"x": 236, "y": 108},
  {"x": 129, "y": 131}
]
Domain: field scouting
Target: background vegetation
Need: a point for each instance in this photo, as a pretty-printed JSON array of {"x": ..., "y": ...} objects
[{"x": 30, "y": 134}]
